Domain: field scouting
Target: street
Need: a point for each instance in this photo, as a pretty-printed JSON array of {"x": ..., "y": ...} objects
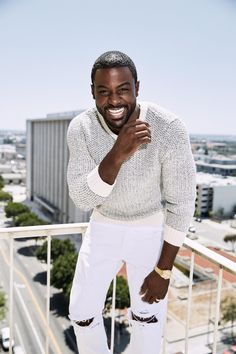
[
  {"x": 213, "y": 231},
  {"x": 29, "y": 311}
]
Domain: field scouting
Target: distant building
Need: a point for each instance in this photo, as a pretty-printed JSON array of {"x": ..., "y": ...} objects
[
  {"x": 7, "y": 152},
  {"x": 219, "y": 165},
  {"x": 215, "y": 194},
  {"x": 21, "y": 151},
  {"x": 5, "y": 168},
  {"x": 14, "y": 178},
  {"x": 47, "y": 160}
]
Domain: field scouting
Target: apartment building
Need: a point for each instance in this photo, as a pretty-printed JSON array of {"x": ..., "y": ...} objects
[
  {"x": 216, "y": 194},
  {"x": 47, "y": 160},
  {"x": 217, "y": 165}
]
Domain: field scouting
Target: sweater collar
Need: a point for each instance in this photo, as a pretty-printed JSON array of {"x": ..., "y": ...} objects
[{"x": 142, "y": 116}]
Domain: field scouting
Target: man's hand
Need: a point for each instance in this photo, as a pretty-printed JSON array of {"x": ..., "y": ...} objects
[
  {"x": 133, "y": 134},
  {"x": 154, "y": 287}
]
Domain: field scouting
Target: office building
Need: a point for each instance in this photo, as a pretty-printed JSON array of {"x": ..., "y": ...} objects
[
  {"x": 47, "y": 160},
  {"x": 215, "y": 194},
  {"x": 220, "y": 165}
]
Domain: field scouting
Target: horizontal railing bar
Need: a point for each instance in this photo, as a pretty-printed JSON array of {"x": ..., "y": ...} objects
[
  {"x": 42, "y": 230},
  {"x": 213, "y": 256},
  {"x": 73, "y": 228}
]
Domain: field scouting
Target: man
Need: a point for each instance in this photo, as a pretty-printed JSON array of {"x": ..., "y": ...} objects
[{"x": 132, "y": 164}]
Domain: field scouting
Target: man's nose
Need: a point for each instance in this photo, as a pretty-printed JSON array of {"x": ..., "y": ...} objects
[{"x": 114, "y": 99}]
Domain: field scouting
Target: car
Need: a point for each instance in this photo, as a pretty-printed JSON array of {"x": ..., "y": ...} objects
[
  {"x": 5, "y": 337},
  {"x": 198, "y": 219},
  {"x": 18, "y": 350},
  {"x": 192, "y": 228},
  {"x": 192, "y": 236}
]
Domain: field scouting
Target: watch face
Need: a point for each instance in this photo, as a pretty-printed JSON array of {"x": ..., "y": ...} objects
[{"x": 166, "y": 274}]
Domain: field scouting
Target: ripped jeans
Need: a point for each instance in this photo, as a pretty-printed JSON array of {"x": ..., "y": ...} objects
[{"x": 104, "y": 250}]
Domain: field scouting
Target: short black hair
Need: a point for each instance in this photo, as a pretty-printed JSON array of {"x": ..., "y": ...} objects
[{"x": 114, "y": 59}]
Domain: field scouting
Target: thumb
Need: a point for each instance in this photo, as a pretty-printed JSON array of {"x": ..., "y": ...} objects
[
  {"x": 135, "y": 114},
  {"x": 143, "y": 288}
]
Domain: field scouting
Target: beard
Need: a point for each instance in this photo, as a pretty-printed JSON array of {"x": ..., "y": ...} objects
[{"x": 115, "y": 121}]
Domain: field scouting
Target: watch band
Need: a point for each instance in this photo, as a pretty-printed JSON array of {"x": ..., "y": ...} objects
[{"x": 164, "y": 273}]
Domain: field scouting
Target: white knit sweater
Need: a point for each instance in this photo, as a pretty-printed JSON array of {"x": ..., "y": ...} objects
[{"x": 160, "y": 175}]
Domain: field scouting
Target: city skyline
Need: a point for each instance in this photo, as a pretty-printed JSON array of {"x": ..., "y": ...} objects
[{"x": 48, "y": 53}]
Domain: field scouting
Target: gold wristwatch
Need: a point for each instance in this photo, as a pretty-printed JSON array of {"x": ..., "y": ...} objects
[{"x": 165, "y": 274}]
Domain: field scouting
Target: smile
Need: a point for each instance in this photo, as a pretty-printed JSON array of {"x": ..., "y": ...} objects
[{"x": 116, "y": 112}]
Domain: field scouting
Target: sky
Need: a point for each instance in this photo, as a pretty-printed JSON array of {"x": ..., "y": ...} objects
[{"x": 184, "y": 51}]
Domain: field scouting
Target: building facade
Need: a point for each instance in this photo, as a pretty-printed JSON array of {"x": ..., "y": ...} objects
[
  {"x": 217, "y": 165},
  {"x": 47, "y": 160},
  {"x": 215, "y": 195}
]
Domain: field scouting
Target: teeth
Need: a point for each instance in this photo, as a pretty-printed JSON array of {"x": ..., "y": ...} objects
[{"x": 116, "y": 110}]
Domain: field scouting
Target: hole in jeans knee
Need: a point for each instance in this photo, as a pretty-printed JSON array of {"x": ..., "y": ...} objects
[
  {"x": 151, "y": 319},
  {"x": 84, "y": 323}
]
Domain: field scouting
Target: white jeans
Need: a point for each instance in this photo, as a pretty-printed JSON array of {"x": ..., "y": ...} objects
[{"x": 104, "y": 250}]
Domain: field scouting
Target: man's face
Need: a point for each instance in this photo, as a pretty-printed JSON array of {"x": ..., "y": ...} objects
[{"x": 115, "y": 92}]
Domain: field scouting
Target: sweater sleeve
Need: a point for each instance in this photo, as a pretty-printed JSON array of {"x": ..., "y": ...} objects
[
  {"x": 178, "y": 183},
  {"x": 86, "y": 188}
]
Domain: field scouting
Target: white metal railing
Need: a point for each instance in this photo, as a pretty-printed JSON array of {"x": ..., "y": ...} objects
[
  {"x": 224, "y": 264},
  {"x": 49, "y": 231},
  {"x": 37, "y": 231}
]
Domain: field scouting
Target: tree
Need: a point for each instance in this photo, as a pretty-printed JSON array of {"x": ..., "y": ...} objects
[
  {"x": 2, "y": 305},
  {"x": 28, "y": 219},
  {"x": 13, "y": 209},
  {"x": 231, "y": 238},
  {"x": 122, "y": 293},
  {"x": 197, "y": 213},
  {"x": 1, "y": 182},
  {"x": 234, "y": 210},
  {"x": 5, "y": 197},
  {"x": 63, "y": 272},
  {"x": 58, "y": 248},
  {"x": 228, "y": 309},
  {"x": 220, "y": 213}
]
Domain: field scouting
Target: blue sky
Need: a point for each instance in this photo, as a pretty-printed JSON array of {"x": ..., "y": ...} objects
[{"x": 185, "y": 53}]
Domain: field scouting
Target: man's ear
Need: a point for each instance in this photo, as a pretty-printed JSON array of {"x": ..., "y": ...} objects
[
  {"x": 137, "y": 88},
  {"x": 92, "y": 91}
]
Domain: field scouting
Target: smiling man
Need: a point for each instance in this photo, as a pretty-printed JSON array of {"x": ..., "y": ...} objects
[{"x": 130, "y": 162}]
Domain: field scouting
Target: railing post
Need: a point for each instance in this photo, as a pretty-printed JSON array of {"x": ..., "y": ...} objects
[
  {"x": 113, "y": 315},
  {"x": 189, "y": 301},
  {"x": 164, "y": 338},
  {"x": 48, "y": 290},
  {"x": 11, "y": 237},
  {"x": 217, "y": 317}
]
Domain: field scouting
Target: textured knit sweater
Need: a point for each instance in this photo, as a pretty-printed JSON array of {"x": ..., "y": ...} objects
[{"x": 159, "y": 176}]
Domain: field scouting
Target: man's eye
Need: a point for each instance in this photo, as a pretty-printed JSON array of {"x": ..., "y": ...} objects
[
  {"x": 123, "y": 90},
  {"x": 103, "y": 92}
]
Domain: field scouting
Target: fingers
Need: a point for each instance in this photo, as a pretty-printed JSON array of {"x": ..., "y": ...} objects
[
  {"x": 141, "y": 128},
  {"x": 136, "y": 123},
  {"x": 144, "y": 291},
  {"x": 143, "y": 288},
  {"x": 150, "y": 299},
  {"x": 143, "y": 134},
  {"x": 134, "y": 116},
  {"x": 147, "y": 296}
]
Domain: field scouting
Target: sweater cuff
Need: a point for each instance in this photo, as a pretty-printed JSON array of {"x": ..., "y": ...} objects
[
  {"x": 173, "y": 236},
  {"x": 97, "y": 185}
]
